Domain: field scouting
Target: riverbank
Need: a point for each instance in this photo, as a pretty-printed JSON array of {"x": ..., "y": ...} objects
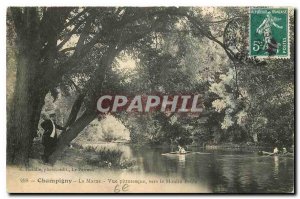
[
  {"x": 111, "y": 155},
  {"x": 247, "y": 147}
]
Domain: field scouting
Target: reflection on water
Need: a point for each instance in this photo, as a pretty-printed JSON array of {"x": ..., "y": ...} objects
[
  {"x": 219, "y": 170},
  {"x": 181, "y": 161},
  {"x": 276, "y": 166}
]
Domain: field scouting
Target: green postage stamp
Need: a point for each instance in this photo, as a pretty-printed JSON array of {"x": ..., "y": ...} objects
[{"x": 269, "y": 32}]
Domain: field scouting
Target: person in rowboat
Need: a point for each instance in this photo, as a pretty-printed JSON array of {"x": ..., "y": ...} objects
[
  {"x": 181, "y": 150},
  {"x": 284, "y": 151},
  {"x": 275, "y": 151}
]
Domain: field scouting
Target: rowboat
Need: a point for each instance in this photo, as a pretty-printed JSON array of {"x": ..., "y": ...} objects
[
  {"x": 265, "y": 153},
  {"x": 177, "y": 153}
]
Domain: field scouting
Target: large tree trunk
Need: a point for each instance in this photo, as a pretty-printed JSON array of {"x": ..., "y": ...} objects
[
  {"x": 30, "y": 89},
  {"x": 25, "y": 111},
  {"x": 34, "y": 67}
]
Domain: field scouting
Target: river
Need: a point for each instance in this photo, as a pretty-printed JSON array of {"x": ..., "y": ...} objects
[
  {"x": 216, "y": 170},
  {"x": 222, "y": 171}
]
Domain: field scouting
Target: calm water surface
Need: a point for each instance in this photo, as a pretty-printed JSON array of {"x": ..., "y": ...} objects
[
  {"x": 215, "y": 170},
  {"x": 221, "y": 171}
]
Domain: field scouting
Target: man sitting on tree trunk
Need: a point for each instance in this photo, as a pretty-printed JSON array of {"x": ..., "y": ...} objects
[{"x": 49, "y": 139}]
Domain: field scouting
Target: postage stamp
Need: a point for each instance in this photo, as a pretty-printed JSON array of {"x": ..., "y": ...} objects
[{"x": 269, "y": 32}]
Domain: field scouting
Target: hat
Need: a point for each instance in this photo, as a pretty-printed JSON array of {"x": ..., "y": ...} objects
[{"x": 47, "y": 124}]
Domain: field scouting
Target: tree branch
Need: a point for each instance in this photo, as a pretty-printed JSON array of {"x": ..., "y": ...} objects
[
  {"x": 71, "y": 21},
  {"x": 83, "y": 36},
  {"x": 75, "y": 109},
  {"x": 69, "y": 35},
  {"x": 67, "y": 49}
]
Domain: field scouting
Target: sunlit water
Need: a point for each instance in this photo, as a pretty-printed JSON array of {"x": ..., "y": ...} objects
[{"x": 220, "y": 171}]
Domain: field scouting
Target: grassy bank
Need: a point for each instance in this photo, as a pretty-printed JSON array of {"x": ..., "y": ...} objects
[{"x": 78, "y": 155}]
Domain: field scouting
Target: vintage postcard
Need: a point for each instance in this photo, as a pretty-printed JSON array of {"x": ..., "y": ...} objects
[{"x": 150, "y": 99}]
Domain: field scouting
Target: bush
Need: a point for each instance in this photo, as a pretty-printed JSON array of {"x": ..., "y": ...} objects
[
  {"x": 107, "y": 158},
  {"x": 108, "y": 136},
  {"x": 110, "y": 156},
  {"x": 126, "y": 164}
]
